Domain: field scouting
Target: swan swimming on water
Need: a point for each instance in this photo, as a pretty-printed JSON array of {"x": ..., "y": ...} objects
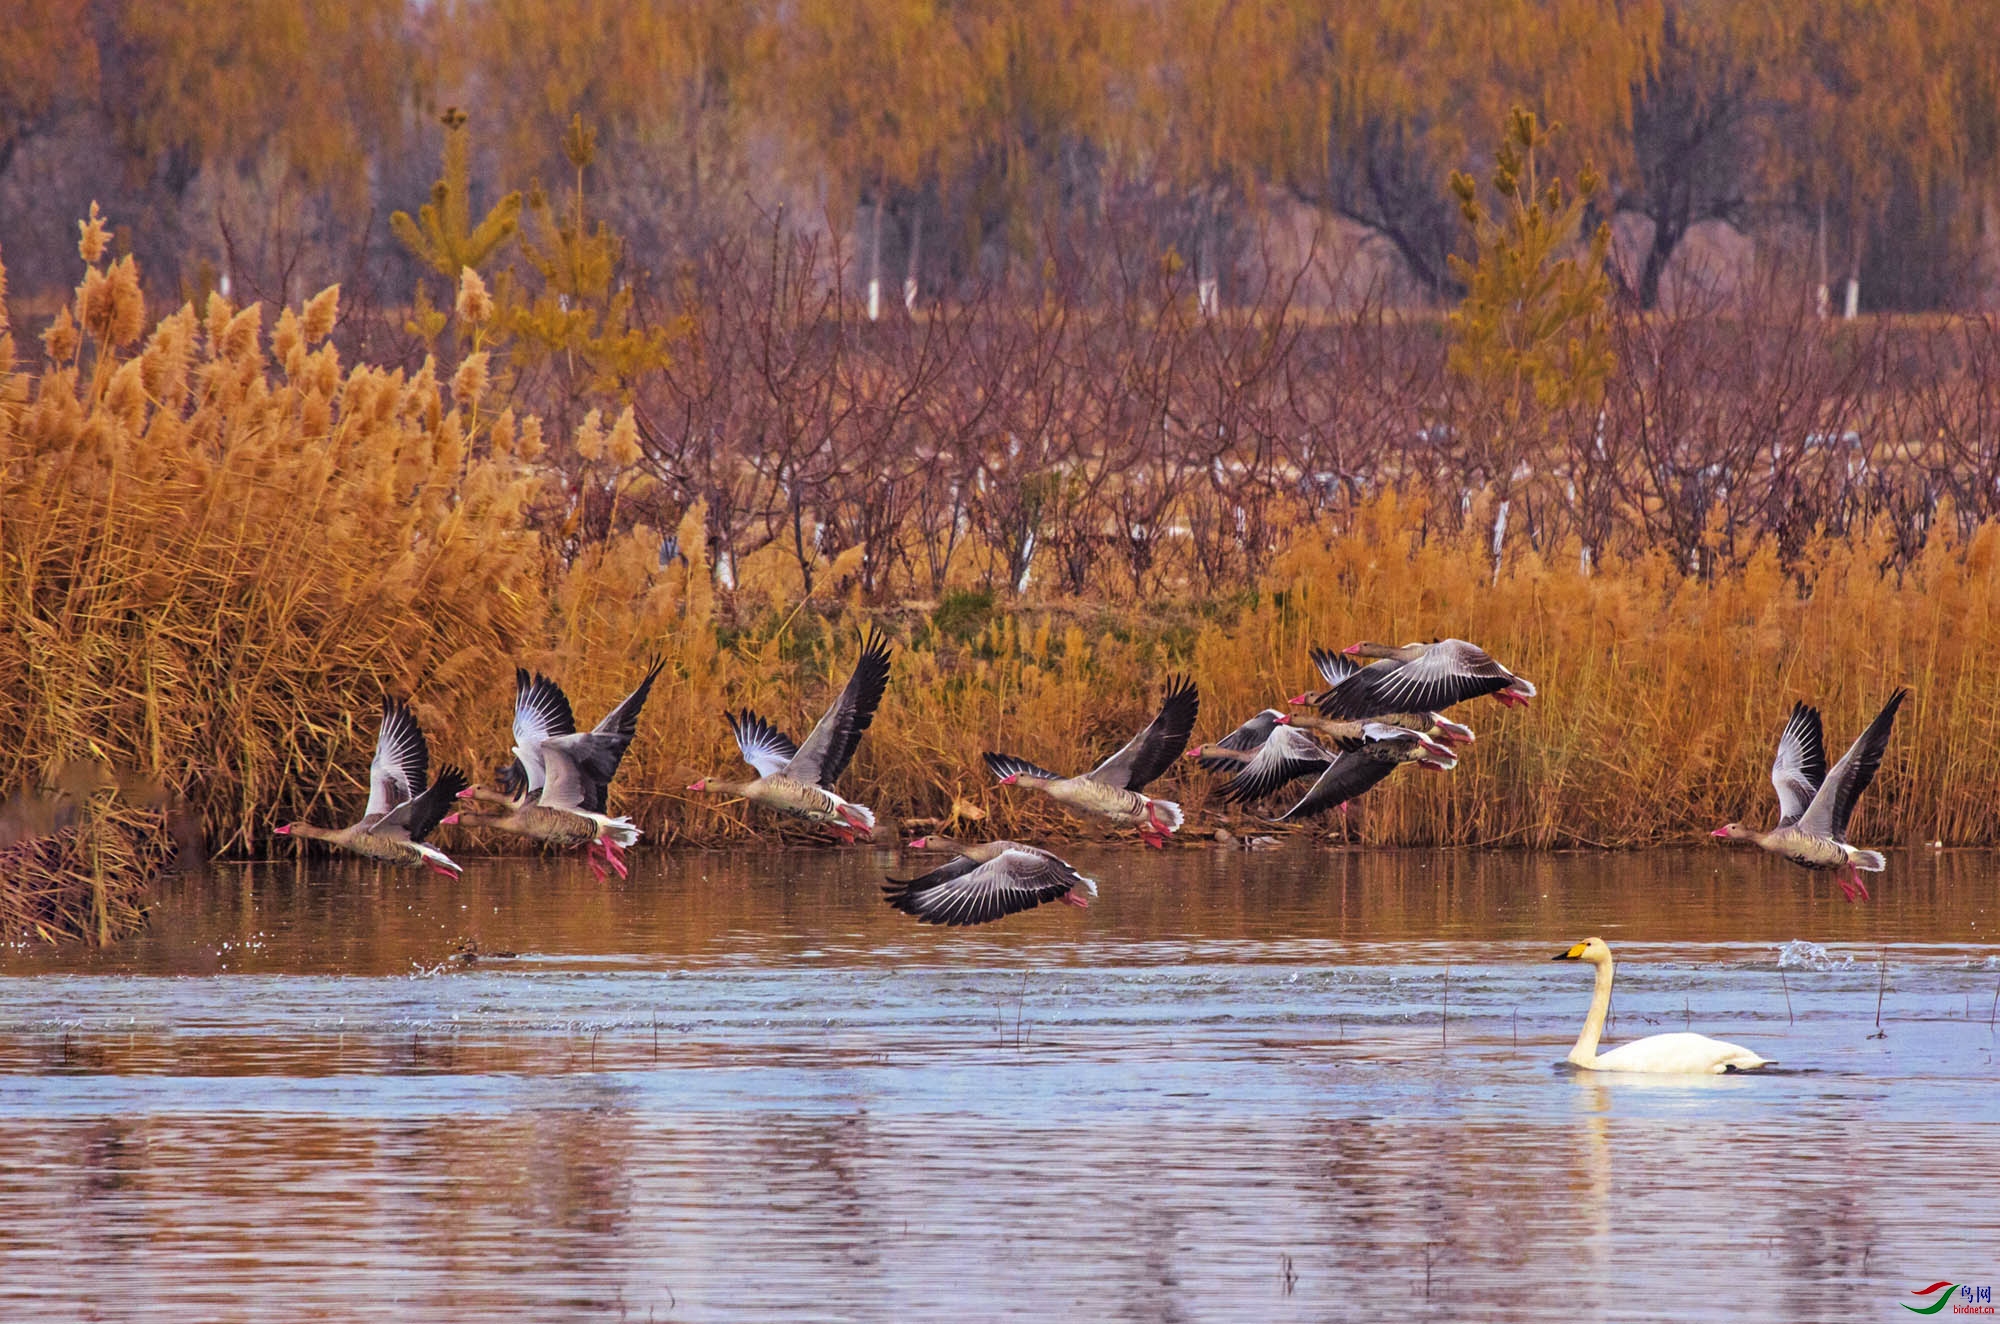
[{"x": 1662, "y": 1053}]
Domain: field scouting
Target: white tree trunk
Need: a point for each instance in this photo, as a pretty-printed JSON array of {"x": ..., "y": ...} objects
[
  {"x": 1853, "y": 298},
  {"x": 1499, "y": 535},
  {"x": 875, "y": 264}
]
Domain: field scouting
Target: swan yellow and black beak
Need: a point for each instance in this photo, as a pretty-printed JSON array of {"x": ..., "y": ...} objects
[{"x": 1575, "y": 953}]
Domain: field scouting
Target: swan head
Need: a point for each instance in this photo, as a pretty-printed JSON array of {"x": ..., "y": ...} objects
[{"x": 1592, "y": 950}]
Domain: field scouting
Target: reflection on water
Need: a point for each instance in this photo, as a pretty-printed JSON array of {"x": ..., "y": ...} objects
[{"x": 1298, "y": 1085}]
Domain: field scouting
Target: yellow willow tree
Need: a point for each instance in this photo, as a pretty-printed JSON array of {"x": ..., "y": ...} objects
[
  {"x": 1875, "y": 106},
  {"x": 1359, "y": 107},
  {"x": 876, "y": 96},
  {"x": 1530, "y": 337},
  {"x": 318, "y": 83},
  {"x": 658, "y": 76},
  {"x": 46, "y": 62},
  {"x": 1051, "y": 95}
]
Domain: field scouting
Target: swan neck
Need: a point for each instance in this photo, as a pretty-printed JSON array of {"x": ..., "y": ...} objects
[{"x": 1585, "y": 1052}]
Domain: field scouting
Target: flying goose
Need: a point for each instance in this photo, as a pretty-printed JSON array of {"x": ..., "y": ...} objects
[
  {"x": 1677, "y": 1053},
  {"x": 986, "y": 882},
  {"x": 1421, "y": 678},
  {"x": 1380, "y": 751},
  {"x": 1288, "y": 755},
  {"x": 798, "y": 779},
  {"x": 556, "y": 787},
  {"x": 1239, "y": 746},
  {"x": 1113, "y": 789},
  {"x": 1336, "y": 667},
  {"x": 402, "y": 809},
  {"x": 1815, "y": 804}
]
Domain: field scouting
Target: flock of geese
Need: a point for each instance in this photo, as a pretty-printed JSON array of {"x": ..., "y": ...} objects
[{"x": 1373, "y": 717}]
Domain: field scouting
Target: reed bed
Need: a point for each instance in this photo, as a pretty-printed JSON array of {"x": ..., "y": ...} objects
[
  {"x": 78, "y": 859},
  {"x": 218, "y": 548}
]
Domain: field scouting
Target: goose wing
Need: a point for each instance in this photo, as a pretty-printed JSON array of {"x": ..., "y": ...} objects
[
  {"x": 1800, "y": 766},
  {"x": 1288, "y": 755},
  {"x": 1333, "y": 667},
  {"x": 1154, "y": 749},
  {"x": 764, "y": 746},
  {"x": 401, "y": 764},
  {"x": 414, "y": 819},
  {"x": 1448, "y": 672},
  {"x": 1345, "y": 778},
  {"x": 598, "y": 752},
  {"x": 1253, "y": 733},
  {"x": 968, "y": 892},
  {"x": 1833, "y": 804},
  {"x": 565, "y": 787},
  {"x": 541, "y": 711},
  {"x": 832, "y": 742}
]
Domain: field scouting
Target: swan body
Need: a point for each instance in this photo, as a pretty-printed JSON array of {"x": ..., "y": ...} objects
[{"x": 1679, "y": 1053}]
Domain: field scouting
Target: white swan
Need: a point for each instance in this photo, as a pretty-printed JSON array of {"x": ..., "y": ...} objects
[{"x": 1658, "y": 1053}]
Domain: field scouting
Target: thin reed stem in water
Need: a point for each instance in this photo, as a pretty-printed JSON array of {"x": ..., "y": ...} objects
[
  {"x": 1782, "y": 983},
  {"x": 1444, "y": 1016},
  {"x": 1881, "y": 988}
]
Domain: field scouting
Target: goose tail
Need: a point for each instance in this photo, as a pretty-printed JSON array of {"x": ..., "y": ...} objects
[
  {"x": 1166, "y": 813},
  {"x": 620, "y": 832},
  {"x": 1868, "y": 860}
]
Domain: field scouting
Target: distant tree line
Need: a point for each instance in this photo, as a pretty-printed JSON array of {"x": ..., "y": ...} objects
[{"x": 945, "y": 145}]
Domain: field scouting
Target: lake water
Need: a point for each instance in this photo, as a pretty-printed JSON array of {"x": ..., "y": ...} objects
[{"x": 1276, "y": 1086}]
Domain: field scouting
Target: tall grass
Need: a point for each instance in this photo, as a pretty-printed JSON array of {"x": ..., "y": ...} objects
[{"x": 218, "y": 547}]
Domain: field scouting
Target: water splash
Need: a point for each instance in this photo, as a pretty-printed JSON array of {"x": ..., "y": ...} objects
[{"x": 1798, "y": 954}]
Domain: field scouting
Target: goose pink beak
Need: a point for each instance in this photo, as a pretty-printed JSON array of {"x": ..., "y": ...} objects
[
  {"x": 283, "y": 830},
  {"x": 1352, "y": 650},
  {"x": 1010, "y": 779},
  {"x": 1284, "y": 719},
  {"x": 1720, "y": 832},
  {"x": 918, "y": 843},
  {"x": 701, "y": 785},
  {"x": 449, "y": 819},
  {"x": 1300, "y": 698},
  {"x": 465, "y": 794}
]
